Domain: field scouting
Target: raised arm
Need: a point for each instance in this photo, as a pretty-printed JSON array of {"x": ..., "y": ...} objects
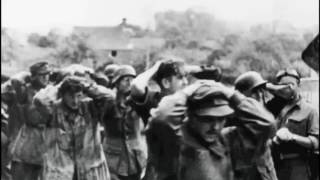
[
  {"x": 254, "y": 120},
  {"x": 140, "y": 83},
  {"x": 256, "y": 123}
]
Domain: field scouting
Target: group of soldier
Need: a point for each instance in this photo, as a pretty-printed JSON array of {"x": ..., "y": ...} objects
[{"x": 173, "y": 121}]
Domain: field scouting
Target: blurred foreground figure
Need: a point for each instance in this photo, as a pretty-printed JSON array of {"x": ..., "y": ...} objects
[
  {"x": 311, "y": 54},
  {"x": 196, "y": 116},
  {"x": 251, "y": 84},
  {"x": 124, "y": 145},
  {"x": 5, "y": 174},
  {"x": 25, "y": 126},
  {"x": 13, "y": 94},
  {"x": 296, "y": 143}
]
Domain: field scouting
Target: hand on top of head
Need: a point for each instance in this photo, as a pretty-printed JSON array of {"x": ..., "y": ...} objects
[
  {"x": 207, "y": 87},
  {"x": 283, "y": 91},
  {"x": 170, "y": 108}
]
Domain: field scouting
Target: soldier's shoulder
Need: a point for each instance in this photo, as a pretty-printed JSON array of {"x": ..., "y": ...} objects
[
  {"x": 228, "y": 131},
  {"x": 308, "y": 107}
]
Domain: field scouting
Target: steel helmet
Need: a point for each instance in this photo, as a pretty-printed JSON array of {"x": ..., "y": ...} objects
[
  {"x": 248, "y": 81},
  {"x": 123, "y": 70},
  {"x": 110, "y": 70}
]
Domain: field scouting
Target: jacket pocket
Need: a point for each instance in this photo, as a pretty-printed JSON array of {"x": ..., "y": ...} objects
[
  {"x": 113, "y": 155},
  {"x": 267, "y": 171},
  {"x": 64, "y": 140},
  {"x": 297, "y": 126}
]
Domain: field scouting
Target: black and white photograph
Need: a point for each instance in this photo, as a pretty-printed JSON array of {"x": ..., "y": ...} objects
[{"x": 159, "y": 89}]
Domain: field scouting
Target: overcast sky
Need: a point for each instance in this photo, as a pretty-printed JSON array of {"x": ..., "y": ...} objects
[{"x": 34, "y": 15}]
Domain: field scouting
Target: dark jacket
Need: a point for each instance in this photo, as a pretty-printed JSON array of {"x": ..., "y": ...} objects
[
  {"x": 27, "y": 127},
  {"x": 163, "y": 151},
  {"x": 77, "y": 134}
]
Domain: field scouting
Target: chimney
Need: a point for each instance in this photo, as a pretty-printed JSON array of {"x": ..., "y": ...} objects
[{"x": 124, "y": 22}]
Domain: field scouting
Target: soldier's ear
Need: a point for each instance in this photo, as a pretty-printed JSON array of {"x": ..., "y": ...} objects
[{"x": 165, "y": 83}]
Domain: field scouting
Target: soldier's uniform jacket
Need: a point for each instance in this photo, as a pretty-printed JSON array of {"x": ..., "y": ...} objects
[
  {"x": 27, "y": 127},
  {"x": 235, "y": 154},
  {"x": 302, "y": 119},
  {"x": 78, "y": 136},
  {"x": 162, "y": 148},
  {"x": 124, "y": 144}
]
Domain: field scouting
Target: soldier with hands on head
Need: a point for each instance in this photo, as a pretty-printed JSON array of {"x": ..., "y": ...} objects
[
  {"x": 196, "y": 116},
  {"x": 297, "y": 137},
  {"x": 124, "y": 143}
]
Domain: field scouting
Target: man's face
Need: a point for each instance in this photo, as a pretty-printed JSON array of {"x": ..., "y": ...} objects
[
  {"x": 208, "y": 127},
  {"x": 176, "y": 82},
  {"x": 259, "y": 95},
  {"x": 42, "y": 79},
  {"x": 72, "y": 100},
  {"x": 124, "y": 84},
  {"x": 293, "y": 82}
]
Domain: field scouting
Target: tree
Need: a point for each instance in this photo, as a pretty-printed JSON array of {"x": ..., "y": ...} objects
[
  {"x": 74, "y": 49},
  {"x": 34, "y": 39},
  {"x": 188, "y": 26},
  {"x": 42, "y": 41},
  {"x": 8, "y": 47},
  {"x": 215, "y": 55}
]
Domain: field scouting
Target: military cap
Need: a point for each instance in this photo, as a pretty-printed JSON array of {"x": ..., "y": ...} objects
[
  {"x": 205, "y": 102},
  {"x": 40, "y": 68}
]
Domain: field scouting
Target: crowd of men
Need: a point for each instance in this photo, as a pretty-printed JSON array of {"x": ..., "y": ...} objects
[{"x": 174, "y": 121}]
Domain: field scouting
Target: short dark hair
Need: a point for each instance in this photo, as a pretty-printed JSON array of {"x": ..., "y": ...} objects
[
  {"x": 71, "y": 85},
  {"x": 168, "y": 68}
]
